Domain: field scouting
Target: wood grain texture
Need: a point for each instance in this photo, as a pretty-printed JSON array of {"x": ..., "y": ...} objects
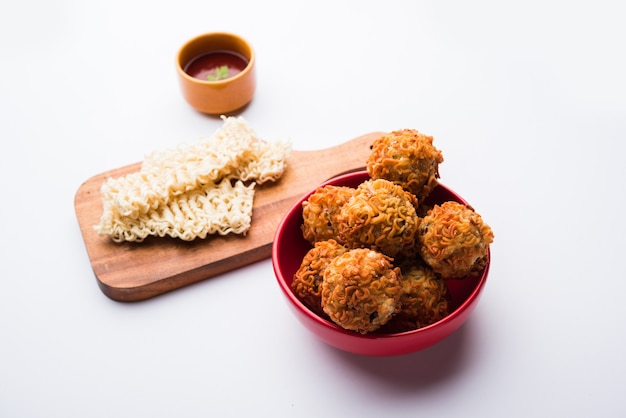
[{"x": 130, "y": 272}]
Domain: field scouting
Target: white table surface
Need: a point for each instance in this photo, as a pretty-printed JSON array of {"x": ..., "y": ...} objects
[{"x": 526, "y": 100}]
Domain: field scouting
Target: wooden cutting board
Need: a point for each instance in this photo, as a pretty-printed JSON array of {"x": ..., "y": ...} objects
[{"x": 136, "y": 271}]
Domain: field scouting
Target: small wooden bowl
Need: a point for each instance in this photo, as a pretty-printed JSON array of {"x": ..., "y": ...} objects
[{"x": 217, "y": 72}]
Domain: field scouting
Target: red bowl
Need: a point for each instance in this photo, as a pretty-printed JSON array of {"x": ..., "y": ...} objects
[{"x": 289, "y": 247}]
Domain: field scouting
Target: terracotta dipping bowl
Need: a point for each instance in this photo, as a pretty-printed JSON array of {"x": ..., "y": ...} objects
[
  {"x": 217, "y": 72},
  {"x": 289, "y": 247}
]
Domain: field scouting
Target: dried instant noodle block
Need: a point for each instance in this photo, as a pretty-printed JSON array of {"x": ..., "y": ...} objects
[
  {"x": 219, "y": 209},
  {"x": 234, "y": 151},
  {"x": 193, "y": 190}
]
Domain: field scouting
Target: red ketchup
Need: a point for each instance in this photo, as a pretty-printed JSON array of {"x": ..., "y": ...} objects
[{"x": 216, "y": 65}]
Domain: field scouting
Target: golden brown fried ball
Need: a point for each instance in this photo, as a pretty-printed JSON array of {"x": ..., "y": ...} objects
[
  {"x": 361, "y": 290},
  {"x": 406, "y": 157},
  {"x": 379, "y": 215},
  {"x": 319, "y": 212},
  {"x": 424, "y": 300},
  {"x": 307, "y": 281},
  {"x": 454, "y": 240}
]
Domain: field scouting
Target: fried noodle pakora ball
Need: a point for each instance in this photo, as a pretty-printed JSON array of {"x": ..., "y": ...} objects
[
  {"x": 454, "y": 240},
  {"x": 361, "y": 290},
  {"x": 424, "y": 301},
  {"x": 320, "y": 210},
  {"x": 307, "y": 281},
  {"x": 408, "y": 158},
  {"x": 380, "y": 215}
]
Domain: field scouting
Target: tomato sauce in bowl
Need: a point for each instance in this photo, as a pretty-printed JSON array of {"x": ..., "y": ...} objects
[{"x": 216, "y": 65}]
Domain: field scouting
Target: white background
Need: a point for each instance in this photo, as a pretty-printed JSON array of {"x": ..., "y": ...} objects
[{"x": 527, "y": 101}]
